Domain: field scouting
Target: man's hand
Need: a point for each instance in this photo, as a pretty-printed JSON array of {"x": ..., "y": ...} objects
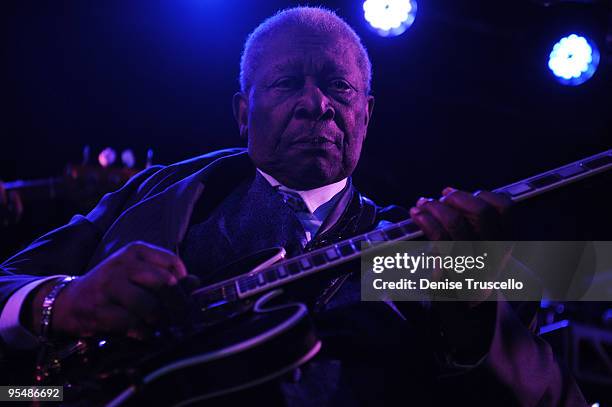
[
  {"x": 468, "y": 326},
  {"x": 118, "y": 296},
  {"x": 459, "y": 215}
]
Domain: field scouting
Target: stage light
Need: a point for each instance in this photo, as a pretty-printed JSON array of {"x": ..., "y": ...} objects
[
  {"x": 573, "y": 60},
  {"x": 390, "y": 17}
]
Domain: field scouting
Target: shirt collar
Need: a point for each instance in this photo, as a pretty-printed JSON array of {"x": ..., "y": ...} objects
[{"x": 313, "y": 198}]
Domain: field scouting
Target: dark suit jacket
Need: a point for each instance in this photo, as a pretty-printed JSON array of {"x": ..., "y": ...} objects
[{"x": 374, "y": 356}]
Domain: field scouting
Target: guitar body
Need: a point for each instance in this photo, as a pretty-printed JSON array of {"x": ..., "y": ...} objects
[{"x": 227, "y": 350}]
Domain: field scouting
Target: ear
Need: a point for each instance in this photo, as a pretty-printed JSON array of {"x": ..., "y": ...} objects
[
  {"x": 240, "y": 107},
  {"x": 370, "y": 109}
]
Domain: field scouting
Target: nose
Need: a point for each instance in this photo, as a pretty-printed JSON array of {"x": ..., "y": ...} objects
[{"x": 314, "y": 104}]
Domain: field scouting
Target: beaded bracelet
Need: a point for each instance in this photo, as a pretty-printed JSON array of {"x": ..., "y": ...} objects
[
  {"x": 41, "y": 371},
  {"x": 47, "y": 308}
]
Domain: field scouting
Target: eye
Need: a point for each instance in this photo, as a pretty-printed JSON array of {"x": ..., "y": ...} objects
[
  {"x": 286, "y": 83},
  {"x": 340, "y": 85}
]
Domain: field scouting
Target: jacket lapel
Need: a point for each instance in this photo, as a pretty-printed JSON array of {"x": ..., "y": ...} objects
[{"x": 162, "y": 219}]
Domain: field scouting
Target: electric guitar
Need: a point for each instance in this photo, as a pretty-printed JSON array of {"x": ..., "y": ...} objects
[
  {"x": 81, "y": 181},
  {"x": 238, "y": 333}
]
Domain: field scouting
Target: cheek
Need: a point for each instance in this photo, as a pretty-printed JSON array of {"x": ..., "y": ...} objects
[
  {"x": 354, "y": 129},
  {"x": 354, "y": 135},
  {"x": 267, "y": 121}
]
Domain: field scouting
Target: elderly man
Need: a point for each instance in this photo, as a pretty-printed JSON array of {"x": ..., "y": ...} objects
[{"x": 304, "y": 108}]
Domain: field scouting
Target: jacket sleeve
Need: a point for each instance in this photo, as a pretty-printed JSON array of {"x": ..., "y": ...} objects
[
  {"x": 66, "y": 250},
  {"x": 512, "y": 366},
  {"x": 519, "y": 369}
]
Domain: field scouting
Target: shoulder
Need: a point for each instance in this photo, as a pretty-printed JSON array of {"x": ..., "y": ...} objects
[
  {"x": 173, "y": 173},
  {"x": 205, "y": 159}
]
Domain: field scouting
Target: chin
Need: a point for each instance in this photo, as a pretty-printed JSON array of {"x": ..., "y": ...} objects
[{"x": 314, "y": 176}]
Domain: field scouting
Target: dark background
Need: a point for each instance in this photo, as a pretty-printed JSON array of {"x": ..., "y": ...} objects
[{"x": 464, "y": 97}]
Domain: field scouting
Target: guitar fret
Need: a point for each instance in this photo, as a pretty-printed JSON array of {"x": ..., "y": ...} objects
[
  {"x": 282, "y": 272},
  {"x": 247, "y": 283},
  {"x": 597, "y": 162},
  {"x": 541, "y": 182},
  {"x": 319, "y": 259},
  {"x": 293, "y": 268},
  {"x": 394, "y": 232},
  {"x": 377, "y": 236},
  {"x": 305, "y": 263},
  {"x": 270, "y": 275},
  {"x": 346, "y": 249},
  {"x": 331, "y": 254},
  {"x": 361, "y": 243},
  {"x": 518, "y": 189},
  {"x": 558, "y": 177},
  {"x": 570, "y": 171},
  {"x": 410, "y": 227}
]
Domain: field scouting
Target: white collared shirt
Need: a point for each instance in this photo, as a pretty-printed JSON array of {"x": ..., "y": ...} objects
[{"x": 319, "y": 201}]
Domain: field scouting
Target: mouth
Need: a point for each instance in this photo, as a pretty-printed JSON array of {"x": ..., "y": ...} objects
[{"x": 314, "y": 141}]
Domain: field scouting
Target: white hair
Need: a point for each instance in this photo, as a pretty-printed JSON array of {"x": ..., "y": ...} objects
[{"x": 317, "y": 19}]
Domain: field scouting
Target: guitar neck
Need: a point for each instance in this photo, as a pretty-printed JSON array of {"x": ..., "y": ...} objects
[
  {"x": 285, "y": 272},
  {"x": 48, "y": 183},
  {"x": 39, "y": 189},
  {"x": 77, "y": 180},
  {"x": 550, "y": 180}
]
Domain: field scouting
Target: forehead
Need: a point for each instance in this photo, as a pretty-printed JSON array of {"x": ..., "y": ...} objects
[{"x": 308, "y": 52}]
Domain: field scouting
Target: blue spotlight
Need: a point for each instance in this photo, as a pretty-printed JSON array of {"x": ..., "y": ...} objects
[
  {"x": 390, "y": 17},
  {"x": 573, "y": 60}
]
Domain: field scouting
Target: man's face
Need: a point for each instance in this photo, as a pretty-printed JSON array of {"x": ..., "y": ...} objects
[{"x": 306, "y": 113}]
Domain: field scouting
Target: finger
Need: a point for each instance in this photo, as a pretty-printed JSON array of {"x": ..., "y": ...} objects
[
  {"x": 482, "y": 216},
  {"x": 464, "y": 202},
  {"x": 452, "y": 220},
  {"x": 502, "y": 203},
  {"x": 448, "y": 190},
  {"x": 428, "y": 224},
  {"x": 152, "y": 277},
  {"x": 160, "y": 257},
  {"x": 190, "y": 283},
  {"x": 137, "y": 301}
]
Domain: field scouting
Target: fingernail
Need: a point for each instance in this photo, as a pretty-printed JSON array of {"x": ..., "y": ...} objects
[
  {"x": 448, "y": 190},
  {"x": 422, "y": 201}
]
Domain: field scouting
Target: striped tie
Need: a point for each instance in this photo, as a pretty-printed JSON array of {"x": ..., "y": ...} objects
[{"x": 294, "y": 200}]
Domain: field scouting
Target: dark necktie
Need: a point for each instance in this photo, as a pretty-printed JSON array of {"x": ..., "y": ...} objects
[{"x": 294, "y": 200}]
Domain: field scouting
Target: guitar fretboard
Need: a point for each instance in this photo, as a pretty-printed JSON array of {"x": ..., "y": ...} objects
[{"x": 306, "y": 264}]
